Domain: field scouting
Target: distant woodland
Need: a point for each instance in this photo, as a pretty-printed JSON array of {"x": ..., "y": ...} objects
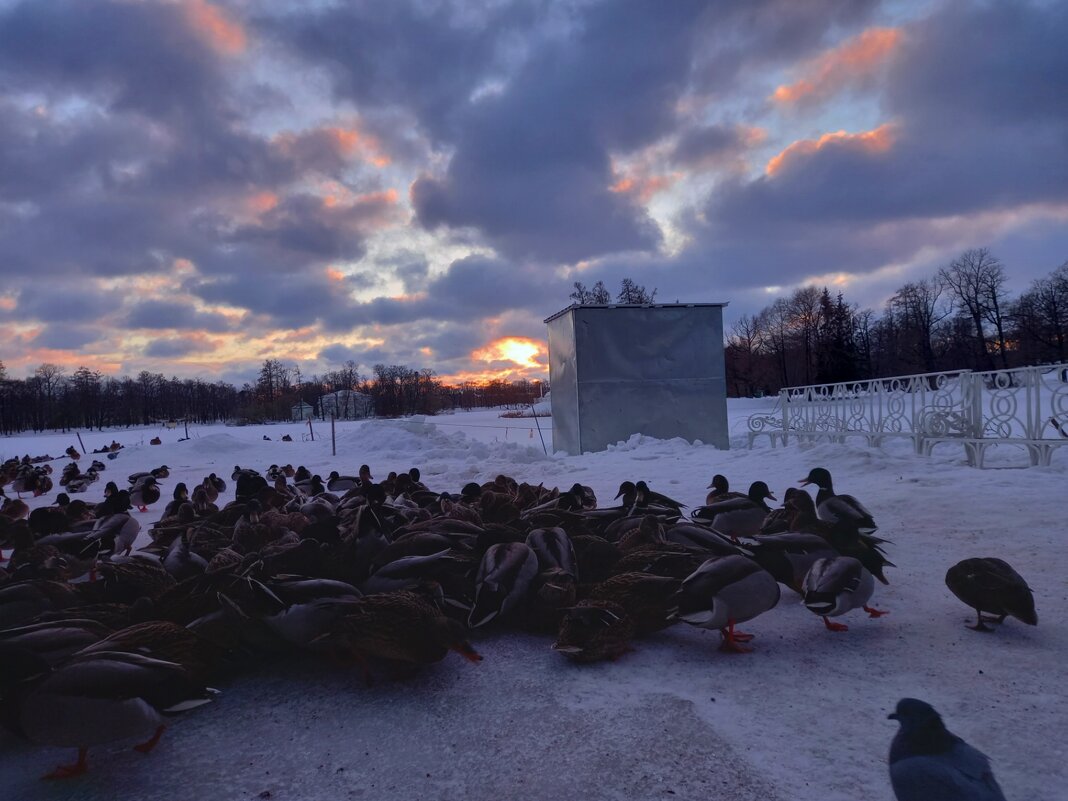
[
  {"x": 962, "y": 317},
  {"x": 52, "y": 399}
]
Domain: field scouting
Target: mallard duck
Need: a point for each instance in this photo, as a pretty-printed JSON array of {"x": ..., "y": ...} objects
[
  {"x": 22, "y": 601},
  {"x": 338, "y": 483},
  {"x": 593, "y": 631},
  {"x": 161, "y": 639},
  {"x": 738, "y": 517},
  {"x": 182, "y": 562},
  {"x": 145, "y": 493},
  {"x": 844, "y": 538},
  {"x": 987, "y": 584},
  {"x": 15, "y": 509},
  {"x": 724, "y": 592},
  {"x": 704, "y": 538},
  {"x": 116, "y": 531},
  {"x": 56, "y": 640},
  {"x": 721, "y": 490},
  {"x": 790, "y": 555},
  {"x": 180, "y": 496},
  {"x": 93, "y": 699},
  {"x": 218, "y": 482},
  {"x": 662, "y": 559},
  {"x": 648, "y": 599},
  {"x": 836, "y": 585},
  {"x": 928, "y": 762},
  {"x": 844, "y": 509},
  {"x": 502, "y": 582},
  {"x": 638, "y": 532},
  {"x": 595, "y": 556},
  {"x": 554, "y": 550},
  {"x": 401, "y": 627}
]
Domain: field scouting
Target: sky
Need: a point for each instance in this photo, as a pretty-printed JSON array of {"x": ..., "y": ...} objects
[{"x": 193, "y": 187}]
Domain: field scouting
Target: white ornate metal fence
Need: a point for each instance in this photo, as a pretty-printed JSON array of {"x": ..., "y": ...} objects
[{"x": 1027, "y": 407}]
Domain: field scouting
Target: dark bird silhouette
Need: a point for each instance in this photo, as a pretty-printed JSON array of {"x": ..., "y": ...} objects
[{"x": 928, "y": 762}]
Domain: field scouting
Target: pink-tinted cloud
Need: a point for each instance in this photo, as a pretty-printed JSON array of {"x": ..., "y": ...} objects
[
  {"x": 878, "y": 140},
  {"x": 225, "y": 35},
  {"x": 848, "y": 64}
]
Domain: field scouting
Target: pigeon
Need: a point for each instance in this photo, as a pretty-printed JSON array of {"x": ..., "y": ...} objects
[{"x": 928, "y": 762}]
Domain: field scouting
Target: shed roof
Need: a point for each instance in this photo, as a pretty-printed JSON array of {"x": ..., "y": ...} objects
[{"x": 574, "y": 306}]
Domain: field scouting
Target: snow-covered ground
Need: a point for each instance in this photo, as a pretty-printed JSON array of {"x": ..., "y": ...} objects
[{"x": 802, "y": 717}]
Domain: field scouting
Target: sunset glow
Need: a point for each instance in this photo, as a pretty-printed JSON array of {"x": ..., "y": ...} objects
[{"x": 519, "y": 350}]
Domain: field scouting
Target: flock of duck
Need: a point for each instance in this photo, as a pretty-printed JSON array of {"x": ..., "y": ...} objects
[{"x": 100, "y": 643}]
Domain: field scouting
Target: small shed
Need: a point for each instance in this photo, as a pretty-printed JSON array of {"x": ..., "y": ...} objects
[
  {"x": 619, "y": 370},
  {"x": 301, "y": 412},
  {"x": 347, "y": 404}
]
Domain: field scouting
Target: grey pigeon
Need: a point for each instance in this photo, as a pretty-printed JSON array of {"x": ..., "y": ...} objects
[{"x": 929, "y": 762}]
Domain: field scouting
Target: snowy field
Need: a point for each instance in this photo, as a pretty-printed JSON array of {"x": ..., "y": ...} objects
[{"x": 801, "y": 717}]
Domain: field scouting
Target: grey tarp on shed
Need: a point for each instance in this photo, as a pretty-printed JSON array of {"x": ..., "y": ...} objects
[{"x": 621, "y": 370}]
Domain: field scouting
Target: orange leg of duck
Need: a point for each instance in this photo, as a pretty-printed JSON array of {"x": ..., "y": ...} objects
[
  {"x": 147, "y": 746},
  {"x": 832, "y": 626},
  {"x": 872, "y": 612},
  {"x": 69, "y": 771},
  {"x": 142, "y": 508},
  {"x": 732, "y": 640}
]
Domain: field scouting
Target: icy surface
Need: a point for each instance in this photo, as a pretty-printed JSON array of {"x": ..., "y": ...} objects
[{"x": 803, "y": 716}]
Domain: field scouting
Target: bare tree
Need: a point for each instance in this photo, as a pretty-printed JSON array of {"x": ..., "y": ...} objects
[
  {"x": 630, "y": 292},
  {"x": 976, "y": 280},
  {"x": 1041, "y": 317},
  {"x": 919, "y": 307}
]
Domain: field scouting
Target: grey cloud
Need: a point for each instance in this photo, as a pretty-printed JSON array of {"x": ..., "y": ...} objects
[
  {"x": 178, "y": 346},
  {"x": 709, "y": 143},
  {"x": 68, "y": 337},
  {"x": 158, "y": 314},
  {"x": 40, "y": 301}
]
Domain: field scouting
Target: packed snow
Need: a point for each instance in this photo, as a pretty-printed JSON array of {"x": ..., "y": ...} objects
[{"x": 801, "y": 717}]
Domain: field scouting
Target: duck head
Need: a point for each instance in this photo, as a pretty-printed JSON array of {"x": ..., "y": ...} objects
[
  {"x": 819, "y": 476},
  {"x": 758, "y": 491},
  {"x": 719, "y": 483}
]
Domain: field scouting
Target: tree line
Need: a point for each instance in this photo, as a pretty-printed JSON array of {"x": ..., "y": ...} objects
[
  {"x": 962, "y": 317},
  {"x": 52, "y": 399}
]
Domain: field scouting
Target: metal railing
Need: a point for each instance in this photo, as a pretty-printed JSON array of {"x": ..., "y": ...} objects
[{"x": 1026, "y": 406}]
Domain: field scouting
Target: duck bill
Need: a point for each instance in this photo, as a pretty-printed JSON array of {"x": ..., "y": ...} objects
[
  {"x": 804, "y": 482},
  {"x": 772, "y": 496}
]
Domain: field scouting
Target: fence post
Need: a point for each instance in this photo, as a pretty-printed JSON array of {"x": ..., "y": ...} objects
[
  {"x": 534, "y": 412},
  {"x": 783, "y": 398},
  {"x": 333, "y": 441}
]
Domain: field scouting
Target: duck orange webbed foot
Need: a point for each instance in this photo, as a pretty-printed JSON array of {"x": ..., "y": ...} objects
[
  {"x": 147, "y": 746},
  {"x": 732, "y": 646},
  {"x": 832, "y": 626},
  {"x": 70, "y": 771},
  {"x": 872, "y": 612}
]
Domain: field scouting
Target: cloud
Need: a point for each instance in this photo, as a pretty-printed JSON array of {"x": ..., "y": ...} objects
[
  {"x": 48, "y": 304},
  {"x": 706, "y": 145},
  {"x": 60, "y": 336},
  {"x": 160, "y": 314},
  {"x": 177, "y": 346},
  {"x": 849, "y": 64}
]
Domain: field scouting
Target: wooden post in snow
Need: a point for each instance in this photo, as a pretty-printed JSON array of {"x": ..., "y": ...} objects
[
  {"x": 311, "y": 430},
  {"x": 333, "y": 442},
  {"x": 79, "y": 436}
]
